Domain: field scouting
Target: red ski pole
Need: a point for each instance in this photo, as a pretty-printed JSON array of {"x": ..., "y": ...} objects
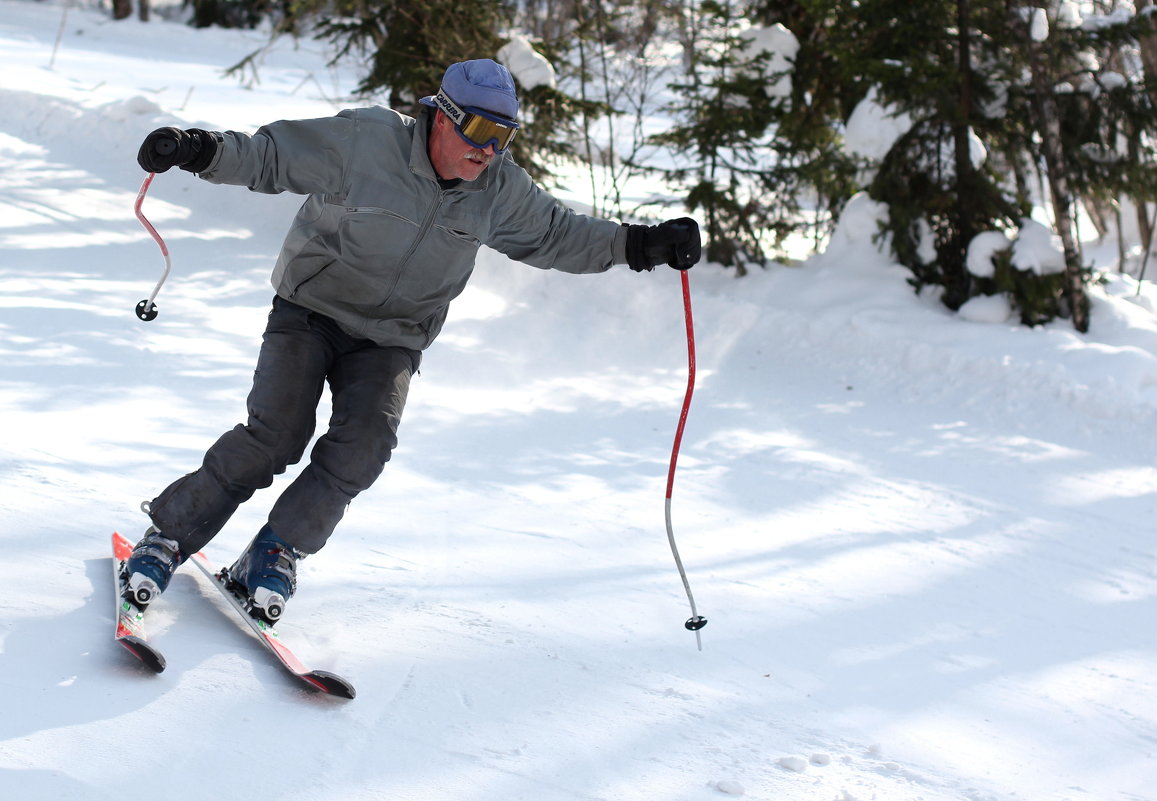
[
  {"x": 696, "y": 621},
  {"x": 146, "y": 309}
]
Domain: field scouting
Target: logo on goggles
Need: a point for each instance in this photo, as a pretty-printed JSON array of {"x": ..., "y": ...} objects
[{"x": 477, "y": 127}]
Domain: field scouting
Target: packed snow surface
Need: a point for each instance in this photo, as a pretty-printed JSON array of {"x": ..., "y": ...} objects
[{"x": 924, "y": 541}]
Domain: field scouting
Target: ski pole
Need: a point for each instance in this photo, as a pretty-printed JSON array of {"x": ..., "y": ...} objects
[
  {"x": 696, "y": 621},
  {"x": 147, "y": 309}
]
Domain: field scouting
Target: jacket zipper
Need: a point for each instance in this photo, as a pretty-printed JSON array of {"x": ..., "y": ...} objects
[
  {"x": 307, "y": 279},
  {"x": 427, "y": 224}
]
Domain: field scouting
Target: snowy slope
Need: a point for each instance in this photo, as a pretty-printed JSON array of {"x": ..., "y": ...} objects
[{"x": 924, "y": 544}]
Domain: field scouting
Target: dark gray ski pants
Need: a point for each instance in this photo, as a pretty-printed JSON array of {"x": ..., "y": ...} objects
[{"x": 300, "y": 351}]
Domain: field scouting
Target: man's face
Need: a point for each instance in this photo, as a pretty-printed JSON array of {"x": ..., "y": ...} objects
[{"x": 452, "y": 156}]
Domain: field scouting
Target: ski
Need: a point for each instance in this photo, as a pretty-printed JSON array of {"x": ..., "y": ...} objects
[
  {"x": 321, "y": 680},
  {"x": 130, "y": 626}
]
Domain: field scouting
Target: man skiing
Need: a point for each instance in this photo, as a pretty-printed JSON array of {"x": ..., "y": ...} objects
[{"x": 396, "y": 210}]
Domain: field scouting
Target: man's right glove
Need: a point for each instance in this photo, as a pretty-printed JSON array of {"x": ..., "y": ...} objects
[
  {"x": 191, "y": 150},
  {"x": 675, "y": 243}
]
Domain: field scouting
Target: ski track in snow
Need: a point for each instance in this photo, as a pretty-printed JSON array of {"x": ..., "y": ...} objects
[{"x": 924, "y": 544}]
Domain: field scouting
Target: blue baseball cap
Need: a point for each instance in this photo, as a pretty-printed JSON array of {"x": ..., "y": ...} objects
[{"x": 480, "y": 84}]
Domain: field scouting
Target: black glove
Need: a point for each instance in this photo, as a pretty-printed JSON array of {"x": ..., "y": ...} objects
[
  {"x": 191, "y": 150},
  {"x": 675, "y": 243}
]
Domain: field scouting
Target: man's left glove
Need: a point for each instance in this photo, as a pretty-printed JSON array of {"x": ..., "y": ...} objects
[
  {"x": 675, "y": 243},
  {"x": 191, "y": 150}
]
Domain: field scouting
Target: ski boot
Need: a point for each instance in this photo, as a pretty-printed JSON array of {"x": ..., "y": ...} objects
[
  {"x": 147, "y": 571},
  {"x": 265, "y": 575}
]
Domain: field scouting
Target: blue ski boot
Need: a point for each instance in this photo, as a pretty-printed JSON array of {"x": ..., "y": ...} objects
[
  {"x": 147, "y": 571},
  {"x": 267, "y": 574}
]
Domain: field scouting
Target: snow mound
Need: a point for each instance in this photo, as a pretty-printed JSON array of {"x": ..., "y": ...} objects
[
  {"x": 986, "y": 309},
  {"x": 1037, "y": 249},
  {"x": 529, "y": 67},
  {"x": 872, "y": 128}
]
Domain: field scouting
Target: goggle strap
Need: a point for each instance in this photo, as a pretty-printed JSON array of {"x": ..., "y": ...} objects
[{"x": 449, "y": 107}]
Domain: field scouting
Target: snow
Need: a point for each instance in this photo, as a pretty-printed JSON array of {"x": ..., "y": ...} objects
[
  {"x": 983, "y": 248},
  {"x": 530, "y": 67},
  {"x": 1069, "y": 14},
  {"x": 1037, "y": 249},
  {"x": 872, "y": 129},
  {"x": 1112, "y": 80},
  {"x": 924, "y": 544},
  {"x": 986, "y": 309},
  {"x": 779, "y": 47},
  {"x": 1117, "y": 16},
  {"x": 1039, "y": 25}
]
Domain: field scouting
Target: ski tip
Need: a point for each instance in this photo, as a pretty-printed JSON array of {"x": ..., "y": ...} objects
[
  {"x": 150, "y": 656},
  {"x": 121, "y": 547},
  {"x": 330, "y": 683}
]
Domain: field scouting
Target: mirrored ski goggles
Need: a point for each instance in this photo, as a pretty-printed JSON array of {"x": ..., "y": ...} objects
[{"x": 477, "y": 127}]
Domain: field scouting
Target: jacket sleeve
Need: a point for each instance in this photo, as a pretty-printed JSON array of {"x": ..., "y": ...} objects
[
  {"x": 299, "y": 156},
  {"x": 531, "y": 226}
]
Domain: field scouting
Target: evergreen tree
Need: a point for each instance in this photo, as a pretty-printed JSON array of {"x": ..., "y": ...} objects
[
  {"x": 921, "y": 58},
  {"x": 1085, "y": 127},
  {"x": 735, "y": 171},
  {"x": 958, "y": 69}
]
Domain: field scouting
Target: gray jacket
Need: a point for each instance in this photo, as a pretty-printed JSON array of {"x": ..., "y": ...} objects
[{"x": 379, "y": 245}]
